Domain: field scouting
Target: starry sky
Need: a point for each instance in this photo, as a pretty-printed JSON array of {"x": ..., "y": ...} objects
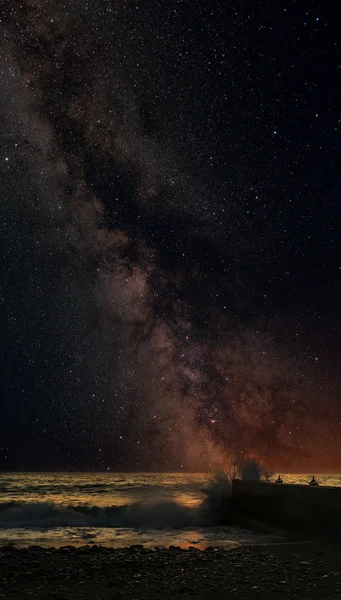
[{"x": 170, "y": 283}]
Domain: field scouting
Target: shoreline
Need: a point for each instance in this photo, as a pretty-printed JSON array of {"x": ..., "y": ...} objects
[{"x": 293, "y": 568}]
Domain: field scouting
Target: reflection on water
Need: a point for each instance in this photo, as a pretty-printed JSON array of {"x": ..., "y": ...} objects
[
  {"x": 98, "y": 488},
  {"x": 201, "y": 539},
  {"x": 117, "y": 489}
]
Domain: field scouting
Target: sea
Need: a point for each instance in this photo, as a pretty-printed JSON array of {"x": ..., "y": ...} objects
[{"x": 122, "y": 509}]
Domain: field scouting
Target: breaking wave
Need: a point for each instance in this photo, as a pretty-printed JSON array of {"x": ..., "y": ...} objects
[{"x": 213, "y": 510}]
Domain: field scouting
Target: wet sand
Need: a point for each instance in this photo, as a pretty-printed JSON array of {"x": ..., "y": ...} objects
[{"x": 292, "y": 570}]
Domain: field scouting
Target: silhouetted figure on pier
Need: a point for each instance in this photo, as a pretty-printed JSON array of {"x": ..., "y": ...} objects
[
  {"x": 313, "y": 481},
  {"x": 279, "y": 480}
]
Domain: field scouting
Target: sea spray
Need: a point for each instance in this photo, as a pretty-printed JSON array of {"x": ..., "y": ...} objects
[
  {"x": 216, "y": 505},
  {"x": 249, "y": 469}
]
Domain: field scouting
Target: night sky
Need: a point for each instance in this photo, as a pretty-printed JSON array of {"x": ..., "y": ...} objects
[{"x": 170, "y": 244}]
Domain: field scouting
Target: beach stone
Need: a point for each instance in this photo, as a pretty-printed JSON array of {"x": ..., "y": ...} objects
[
  {"x": 186, "y": 590},
  {"x": 34, "y": 564}
]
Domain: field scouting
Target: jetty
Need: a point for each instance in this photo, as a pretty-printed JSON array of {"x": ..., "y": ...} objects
[{"x": 293, "y": 505}]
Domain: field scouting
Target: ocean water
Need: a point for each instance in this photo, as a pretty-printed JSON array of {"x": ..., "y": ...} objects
[{"x": 120, "y": 509}]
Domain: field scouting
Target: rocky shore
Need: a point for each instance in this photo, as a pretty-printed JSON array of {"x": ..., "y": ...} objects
[{"x": 293, "y": 570}]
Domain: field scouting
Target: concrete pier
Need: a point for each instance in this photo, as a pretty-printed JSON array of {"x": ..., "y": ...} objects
[{"x": 299, "y": 506}]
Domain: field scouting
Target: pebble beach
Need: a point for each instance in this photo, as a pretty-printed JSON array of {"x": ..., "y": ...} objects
[{"x": 288, "y": 570}]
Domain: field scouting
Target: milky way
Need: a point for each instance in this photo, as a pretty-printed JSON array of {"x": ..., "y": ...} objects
[{"x": 161, "y": 292}]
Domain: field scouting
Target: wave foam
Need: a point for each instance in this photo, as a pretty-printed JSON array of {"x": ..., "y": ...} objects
[{"x": 214, "y": 510}]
